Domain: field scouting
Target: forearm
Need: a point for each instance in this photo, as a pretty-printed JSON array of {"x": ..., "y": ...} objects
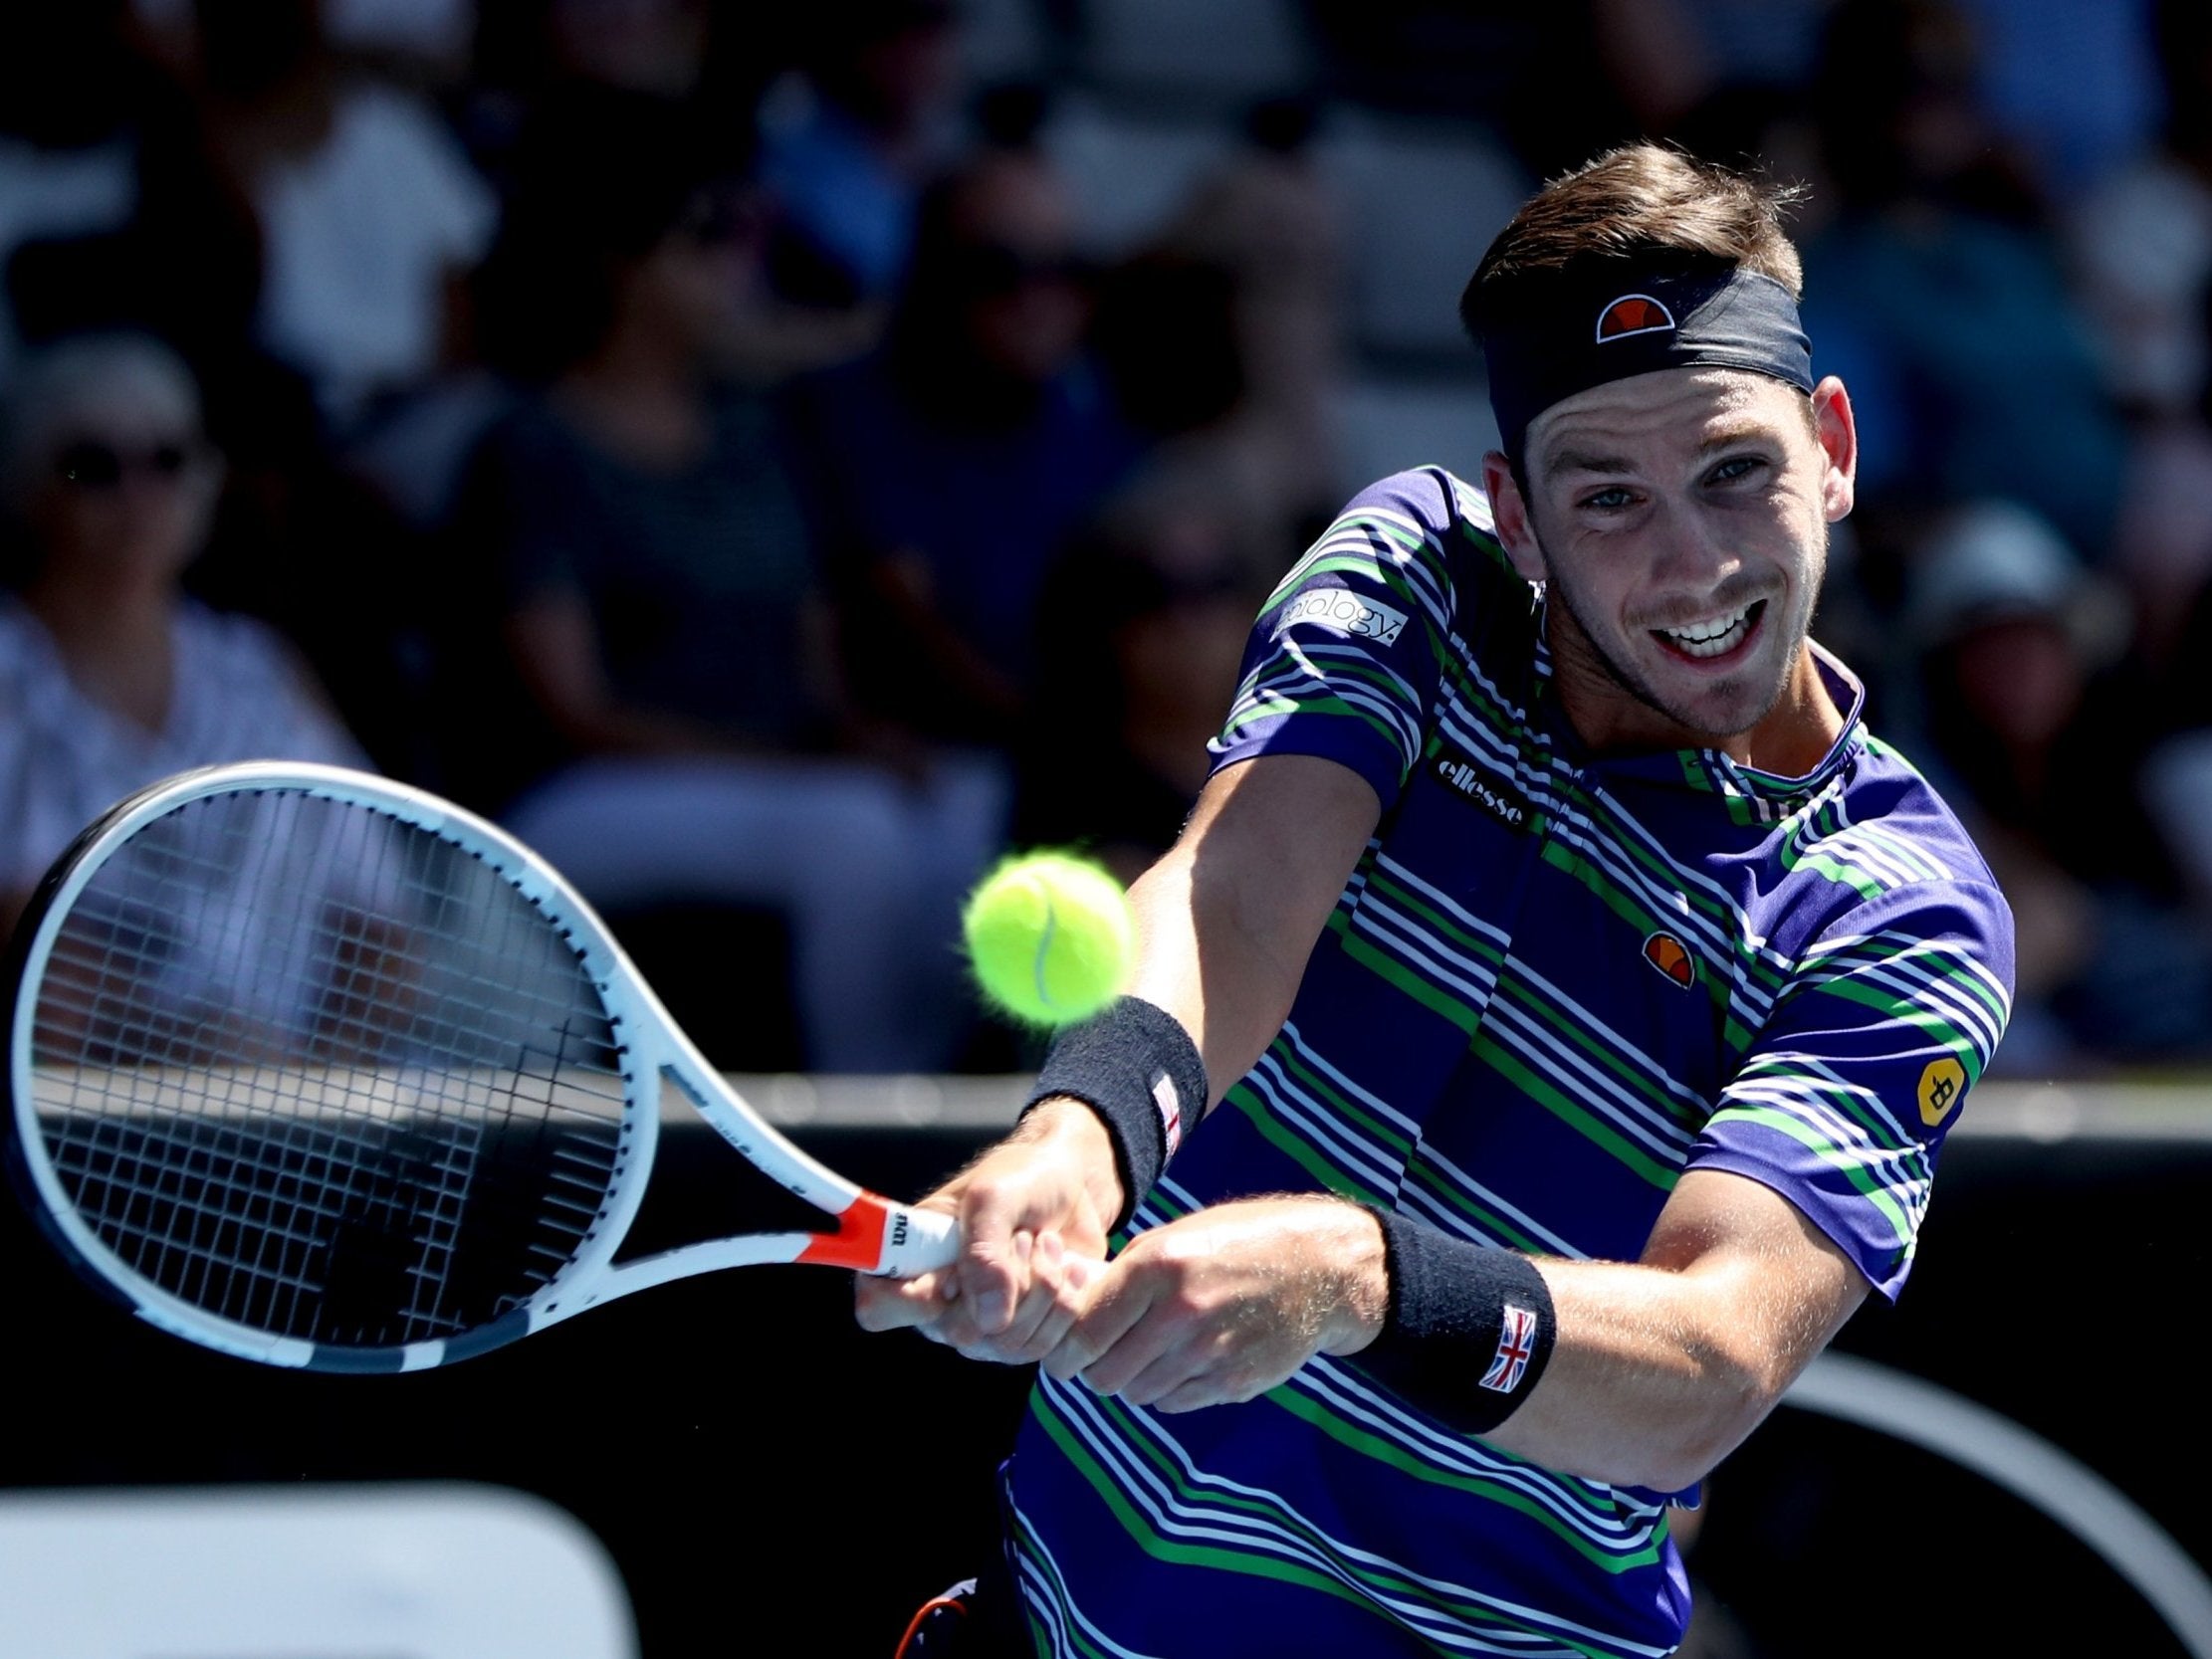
[
  {"x": 1150, "y": 1066},
  {"x": 1231, "y": 1016},
  {"x": 1225, "y": 925},
  {"x": 1228, "y": 920},
  {"x": 904, "y": 585},
  {"x": 554, "y": 646},
  {"x": 1649, "y": 1372},
  {"x": 1654, "y": 1377},
  {"x": 1649, "y": 1378}
]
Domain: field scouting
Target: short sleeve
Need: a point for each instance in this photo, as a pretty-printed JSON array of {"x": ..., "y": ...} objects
[
  {"x": 1344, "y": 660},
  {"x": 1843, "y": 1102}
]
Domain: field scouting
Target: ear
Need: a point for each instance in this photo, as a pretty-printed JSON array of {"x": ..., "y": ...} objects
[
  {"x": 1837, "y": 429},
  {"x": 1509, "y": 513}
]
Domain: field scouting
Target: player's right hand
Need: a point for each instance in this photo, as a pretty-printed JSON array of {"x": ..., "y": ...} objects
[{"x": 1033, "y": 1215}]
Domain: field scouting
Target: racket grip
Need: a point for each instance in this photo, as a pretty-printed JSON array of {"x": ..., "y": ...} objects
[
  {"x": 931, "y": 1238},
  {"x": 917, "y": 1240}
]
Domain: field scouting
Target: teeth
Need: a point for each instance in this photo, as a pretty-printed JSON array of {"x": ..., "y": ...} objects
[{"x": 1708, "y": 638}]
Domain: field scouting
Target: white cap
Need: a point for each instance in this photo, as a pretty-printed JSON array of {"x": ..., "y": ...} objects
[{"x": 1992, "y": 562}]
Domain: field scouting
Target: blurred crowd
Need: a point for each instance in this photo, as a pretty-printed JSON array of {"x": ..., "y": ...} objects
[{"x": 776, "y": 458}]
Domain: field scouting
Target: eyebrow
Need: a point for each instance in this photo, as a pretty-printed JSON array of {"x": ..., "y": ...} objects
[
  {"x": 1736, "y": 432},
  {"x": 1575, "y": 461},
  {"x": 1581, "y": 461}
]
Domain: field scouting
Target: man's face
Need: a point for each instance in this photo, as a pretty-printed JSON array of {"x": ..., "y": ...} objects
[
  {"x": 1681, "y": 520},
  {"x": 1026, "y": 310}
]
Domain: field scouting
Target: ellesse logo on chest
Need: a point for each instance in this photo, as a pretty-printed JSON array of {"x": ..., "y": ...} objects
[
  {"x": 1671, "y": 958},
  {"x": 1485, "y": 787}
]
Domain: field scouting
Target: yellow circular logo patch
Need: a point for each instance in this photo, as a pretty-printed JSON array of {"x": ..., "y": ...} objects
[{"x": 1941, "y": 1084}]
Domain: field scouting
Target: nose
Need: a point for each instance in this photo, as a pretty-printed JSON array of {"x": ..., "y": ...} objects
[{"x": 1689, "y": 553}]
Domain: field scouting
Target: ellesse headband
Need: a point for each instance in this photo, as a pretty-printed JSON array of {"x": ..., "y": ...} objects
[{"x": 1616, "y": 317}]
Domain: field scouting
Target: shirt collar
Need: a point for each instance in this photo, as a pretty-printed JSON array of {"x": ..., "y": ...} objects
[{"x": 1754, "y": 795}]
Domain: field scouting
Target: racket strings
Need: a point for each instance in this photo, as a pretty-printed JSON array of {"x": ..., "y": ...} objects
[{"x": 324, "y": 1073}]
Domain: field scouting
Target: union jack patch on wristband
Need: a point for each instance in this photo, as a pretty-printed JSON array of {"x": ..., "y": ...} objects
[
  {"x": 1516, "y": 1341},
  {"x": 1171, "y": 1110}
]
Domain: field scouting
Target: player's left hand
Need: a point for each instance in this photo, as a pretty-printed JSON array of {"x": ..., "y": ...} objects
[{"x": 1225, "y": 1303}]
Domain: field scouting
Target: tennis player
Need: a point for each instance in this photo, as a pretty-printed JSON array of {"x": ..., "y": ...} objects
[{"x": 1546, "y": 1028}]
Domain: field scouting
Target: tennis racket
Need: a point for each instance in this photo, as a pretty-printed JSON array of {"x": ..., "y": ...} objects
[{"x": 319, "y": 1070}]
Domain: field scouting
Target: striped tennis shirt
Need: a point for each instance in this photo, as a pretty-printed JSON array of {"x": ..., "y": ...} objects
[{"x": 1554, "y": 981}]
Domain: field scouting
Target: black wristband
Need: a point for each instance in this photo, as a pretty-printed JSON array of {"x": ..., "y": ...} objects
[
  {"x": 1138, "y": 1068},
  {"x": 1469, "y": 1331}
]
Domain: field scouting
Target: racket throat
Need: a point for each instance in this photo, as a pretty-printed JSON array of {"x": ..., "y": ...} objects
[{"x": 860, "y": 1239}]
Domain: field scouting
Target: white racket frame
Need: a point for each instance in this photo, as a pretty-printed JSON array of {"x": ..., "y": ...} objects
[{"x": 874, "y": 1234}]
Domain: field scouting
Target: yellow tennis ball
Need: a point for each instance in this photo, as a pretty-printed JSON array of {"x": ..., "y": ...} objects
[{"x": 1050, "y": 937}]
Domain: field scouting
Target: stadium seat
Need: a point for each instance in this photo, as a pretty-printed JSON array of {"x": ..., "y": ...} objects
[
  {"x": 1386, "y": 424},
  {"x": 1003, "y": 40},
  {"x": 1220, "y": 52},
  {"x": 1423, "y": 199},
  {"x": 433, "y": 1571},
  {"x": 1127, "y": 173}
]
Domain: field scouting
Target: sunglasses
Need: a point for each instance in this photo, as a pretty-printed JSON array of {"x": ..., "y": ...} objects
[{"x": 89, "y": 463}]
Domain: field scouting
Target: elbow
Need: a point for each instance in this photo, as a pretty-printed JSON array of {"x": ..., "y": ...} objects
[
  {"x": 1730, "y": 1397},
  {"x": 1684, "y": 1461}
]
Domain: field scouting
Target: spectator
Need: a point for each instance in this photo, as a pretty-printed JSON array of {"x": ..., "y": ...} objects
[
  {"x": 369, "y": 214},
  {"x": 959, "y": 457},
  {"x": 110, "y": 207},
  {"x": 846, "y": 147},
  {"x": 1144, "y": 625},
  {"x": 1269, "y": 221},
  {"x": 655, "y": 46},
  {"x": 2142, "y": 248},
  {"x": 1167, "y": 344},
  {"x": 1936, "y": 286},
  {"x": 1556, "y": 81},
  {"x": 109, "y": 677},
  {"x": 2142, "y": 243},
  {"x": 1757, "y": 43},
  {"x": 659, "y": 600},
  {"x": 2073, "y": 82},
  {"x": 2043, "y": 728},
  {"x": 72, "y": 96}
]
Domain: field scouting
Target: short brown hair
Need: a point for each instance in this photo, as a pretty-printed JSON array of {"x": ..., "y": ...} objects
[{"x": 1638, "y": 199}]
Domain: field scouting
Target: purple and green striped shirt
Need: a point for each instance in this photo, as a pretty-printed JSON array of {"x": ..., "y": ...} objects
[{"x": 1555, "y": 981}]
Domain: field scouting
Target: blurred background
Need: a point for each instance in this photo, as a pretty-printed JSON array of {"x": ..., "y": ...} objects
[
  {"x": 776, "y": 458},
  {"x": 866, "y": 427}
]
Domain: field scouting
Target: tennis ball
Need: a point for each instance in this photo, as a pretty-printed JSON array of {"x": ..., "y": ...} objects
[{"x": 1050, "y": 937}]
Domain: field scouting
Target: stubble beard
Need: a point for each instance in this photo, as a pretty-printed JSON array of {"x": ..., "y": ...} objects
[{"x": 1582, "y": 643}]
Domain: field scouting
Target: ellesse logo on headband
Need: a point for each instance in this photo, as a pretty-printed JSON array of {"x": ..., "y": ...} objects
[{"x": 1633, "y": 314}]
